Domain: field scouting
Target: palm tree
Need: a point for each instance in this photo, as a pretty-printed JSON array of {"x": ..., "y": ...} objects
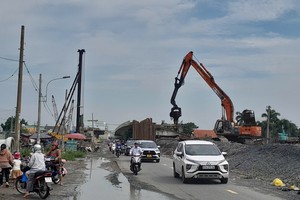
[{"x": 272, "y": 115}]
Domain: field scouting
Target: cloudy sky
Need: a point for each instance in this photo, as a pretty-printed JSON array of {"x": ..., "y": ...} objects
[{"x": 134, "y": 50}]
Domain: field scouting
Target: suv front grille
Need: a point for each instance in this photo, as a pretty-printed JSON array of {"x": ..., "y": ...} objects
[
  {"x": 149, "y": 152},
  {"x": 200, "y": 168}
]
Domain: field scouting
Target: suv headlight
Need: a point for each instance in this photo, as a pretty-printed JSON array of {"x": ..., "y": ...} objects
[
  {"x": 226, "y": 167},
  {"x": 188, "y": 167},
  {"x": 192, "y": 167}
]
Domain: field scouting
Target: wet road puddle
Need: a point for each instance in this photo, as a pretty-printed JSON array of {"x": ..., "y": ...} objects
[{"x": 102, "y": 183}]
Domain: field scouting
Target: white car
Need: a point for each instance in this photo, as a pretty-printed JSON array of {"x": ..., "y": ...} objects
[
  {"x": 199, "y": 159},
  {"x": 151, "y": 151}
]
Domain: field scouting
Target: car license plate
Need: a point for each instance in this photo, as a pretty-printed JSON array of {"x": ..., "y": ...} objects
[
  {"x": 208, "y": 167},
  {"x": 48, "y": 179},
  {"x": 149, "y": 155}
]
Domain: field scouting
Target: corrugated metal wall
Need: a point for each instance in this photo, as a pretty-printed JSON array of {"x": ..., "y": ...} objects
[{"x": 144, "y": 130}]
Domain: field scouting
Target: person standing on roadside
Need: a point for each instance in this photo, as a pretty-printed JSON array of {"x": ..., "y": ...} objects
[{"x": 6, "y": 160}]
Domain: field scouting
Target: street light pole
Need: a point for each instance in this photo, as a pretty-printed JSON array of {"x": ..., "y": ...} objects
[
  {"x": 39, "y": 104},
  {"x": 64, "y": 77}
]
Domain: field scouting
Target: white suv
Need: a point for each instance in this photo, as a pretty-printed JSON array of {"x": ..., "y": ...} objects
[{"x": 199, "y": 159}]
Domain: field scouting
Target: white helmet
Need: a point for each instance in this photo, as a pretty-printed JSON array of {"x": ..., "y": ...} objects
[{"x": 37, "y": 148}]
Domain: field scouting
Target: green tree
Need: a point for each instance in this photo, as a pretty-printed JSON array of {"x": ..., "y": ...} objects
[
  {"x": 290, "y": 128},
  {"x": 274, "y": 122},
  {"x": 277, "y": 124},
  {"x": 188, "y": 128},
  {"x": 10, "y": 124}
]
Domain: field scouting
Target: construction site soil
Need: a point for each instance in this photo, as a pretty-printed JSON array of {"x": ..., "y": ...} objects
[{"x": 259, "y": 164}]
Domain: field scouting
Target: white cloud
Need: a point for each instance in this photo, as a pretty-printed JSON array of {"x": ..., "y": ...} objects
[{"x": 134, "y": 50}]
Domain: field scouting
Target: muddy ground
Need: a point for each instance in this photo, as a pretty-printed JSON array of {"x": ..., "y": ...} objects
[{"x": 68, "y": 190}]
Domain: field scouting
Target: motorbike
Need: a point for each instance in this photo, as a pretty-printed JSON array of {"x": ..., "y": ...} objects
[
  {"x": 40, "y": 183},
  {"x": 56, "y": 169},
  {"x": 135, "y": 166},
  {"x": 118, "y": 151},
  {"x": 113, "y": 148}
]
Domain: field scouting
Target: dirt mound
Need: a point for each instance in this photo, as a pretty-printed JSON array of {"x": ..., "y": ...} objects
[{"x": 265, "y": 162}]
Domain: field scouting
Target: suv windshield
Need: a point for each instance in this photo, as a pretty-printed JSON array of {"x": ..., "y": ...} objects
[
  {"x": 147, "y": 145},
  {"x": 201, "y": 149},
  {"x": 130, "y": 142}
]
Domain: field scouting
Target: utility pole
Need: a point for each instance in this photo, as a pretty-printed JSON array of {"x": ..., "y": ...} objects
[
  {"x": 79, "y": 117},
  {"x": 268, "y": 124},
  {"x": 19, "y": 94},
  {"x": 64, "y": 123},
  {"x": 39, "y": 111},
  {"x": 93, "y": 135}
]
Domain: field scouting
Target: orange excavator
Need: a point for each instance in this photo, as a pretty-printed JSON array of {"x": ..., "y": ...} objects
[{"x": 247, "y": 127}]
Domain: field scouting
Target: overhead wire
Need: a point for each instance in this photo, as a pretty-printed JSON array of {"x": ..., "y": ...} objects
[
  {"x": 9, "y": 76},
  {"x": 9, "y": 59},
  {"x": 31, "y": 78}
]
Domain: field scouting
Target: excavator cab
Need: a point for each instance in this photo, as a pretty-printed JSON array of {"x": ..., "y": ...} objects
[
  {"x": 223, "y": 127},
  {"x": 248, "y": 118}
]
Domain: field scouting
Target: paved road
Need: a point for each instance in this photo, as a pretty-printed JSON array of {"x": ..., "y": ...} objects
[{"x": 160, "y": 175}]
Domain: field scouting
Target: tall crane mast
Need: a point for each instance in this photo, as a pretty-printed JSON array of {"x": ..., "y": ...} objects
[
  {"x": 54, "y": 108},
  {"x": 70, "y": 116}
]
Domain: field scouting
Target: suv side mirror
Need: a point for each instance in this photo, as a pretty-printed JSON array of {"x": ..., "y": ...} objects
[
  {"x": 224, "y": 153},
  {"x": 158, "y": 147},
  {"x": 179, "y": 154}
]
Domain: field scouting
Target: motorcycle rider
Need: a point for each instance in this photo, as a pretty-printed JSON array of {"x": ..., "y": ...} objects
[
  {"x": 135, "y": 151},
  {"x": 36, "y": 163},
  {"x": 55, "y": 152},
  {"x": 118, "y": 147}
]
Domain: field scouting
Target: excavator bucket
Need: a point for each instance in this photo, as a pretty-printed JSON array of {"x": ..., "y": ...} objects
[{"x": 175, "y": 114}]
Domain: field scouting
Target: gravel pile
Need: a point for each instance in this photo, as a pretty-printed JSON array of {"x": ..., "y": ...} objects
[
  {"x": 265, "y": 161},
  {"x": 260, "y": 161}
]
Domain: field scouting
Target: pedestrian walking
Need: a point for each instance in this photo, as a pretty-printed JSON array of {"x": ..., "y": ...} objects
[{"x": 6, "y": 162}]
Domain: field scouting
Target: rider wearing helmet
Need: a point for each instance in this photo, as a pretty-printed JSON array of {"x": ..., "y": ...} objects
[{"x": 36, "y": 163}]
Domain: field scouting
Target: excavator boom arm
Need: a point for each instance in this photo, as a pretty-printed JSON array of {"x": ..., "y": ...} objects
[{"x": 188, "y": 61}]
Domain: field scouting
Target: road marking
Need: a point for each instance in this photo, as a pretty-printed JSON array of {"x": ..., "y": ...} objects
[{"x": 233, "y": 192}]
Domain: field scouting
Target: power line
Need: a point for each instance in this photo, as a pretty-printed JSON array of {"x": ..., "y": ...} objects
[
  {"x": 10, "y": 76},
  {"x": 9, "y": 59},
  {"x": 32, "y": 80}
]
